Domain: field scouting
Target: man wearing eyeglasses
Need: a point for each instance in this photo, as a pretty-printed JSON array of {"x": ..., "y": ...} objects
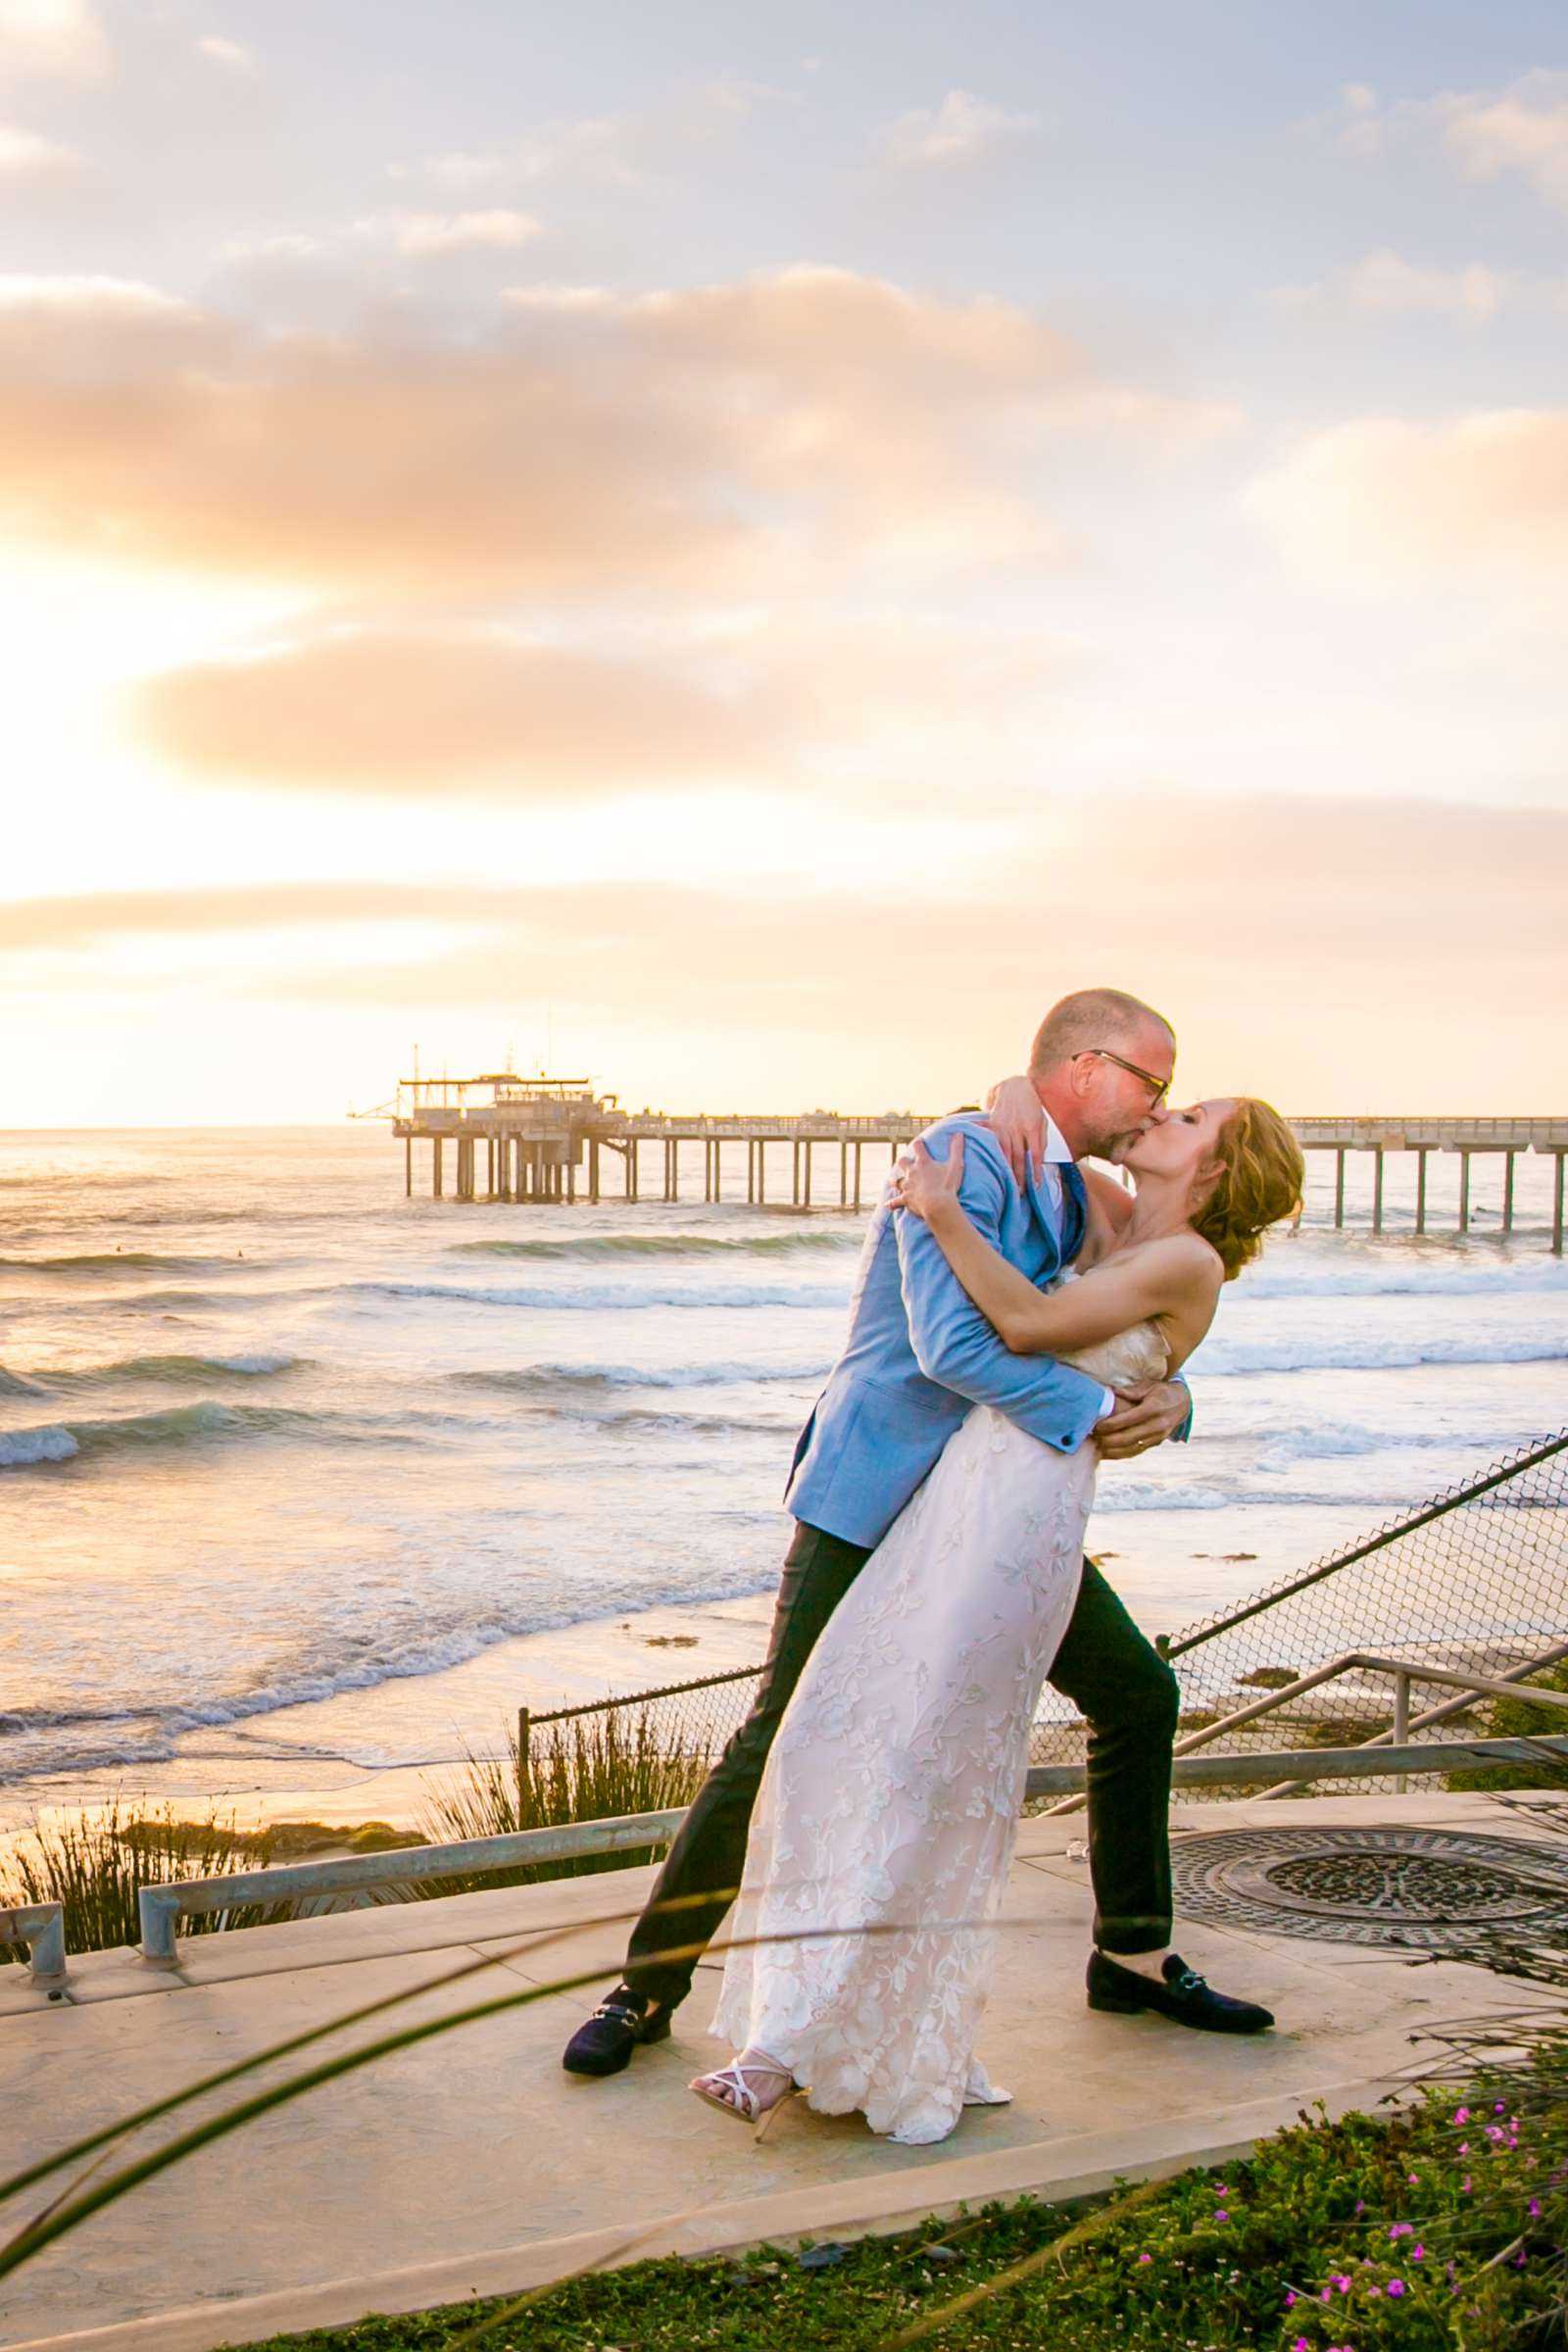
[{"x": 918, "y": 1356}]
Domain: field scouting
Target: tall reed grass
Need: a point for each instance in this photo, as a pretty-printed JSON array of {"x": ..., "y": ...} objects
[
  {"x": 95, "y": 1864},
  {"x": 590, "y": 1768}
]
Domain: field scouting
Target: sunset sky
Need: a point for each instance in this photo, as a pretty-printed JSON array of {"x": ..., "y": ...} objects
[{"x": 749, "y": 547}]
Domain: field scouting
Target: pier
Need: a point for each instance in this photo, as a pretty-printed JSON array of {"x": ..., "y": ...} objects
[
  {"x": 500, "y": 1137},
  {"x": 528, "y": 1139}
]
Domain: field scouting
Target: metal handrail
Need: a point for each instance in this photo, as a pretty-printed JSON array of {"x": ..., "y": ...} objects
[
  {"x": 162, "y": 1907},
  {"x": 1405, "y": 1671},
  {"x": 42, "y": 1927}
]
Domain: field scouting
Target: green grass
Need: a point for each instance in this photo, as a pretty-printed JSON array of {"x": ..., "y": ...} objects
[
  {"x": 95, "y": 1864},
  {"x": 590, "y": 1768},
  {"x": 1372, "y": 2232}
]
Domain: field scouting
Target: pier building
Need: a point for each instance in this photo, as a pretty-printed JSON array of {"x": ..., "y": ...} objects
[{"x": 500, "y": 1137}]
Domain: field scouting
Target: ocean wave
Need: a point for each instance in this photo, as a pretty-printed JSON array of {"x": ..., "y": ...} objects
[
  {"x": 191, "y": 1424},
  {"x": 24, "y": 1448},
  {"x": 13, "y": 1384},
  {"x": 179, "y": 1368},
  {"x": 1427, "y": 1273},
  {"x": 549, "y": 1379},
  {"x": 113, "y": 1262},
  {"x": 1225, "y": 1358},
  {"x": 589, "y": 1246},
  {"x": 618, "y": 1298}
]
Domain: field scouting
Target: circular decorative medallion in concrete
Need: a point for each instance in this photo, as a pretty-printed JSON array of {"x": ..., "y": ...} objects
[{"x": 1431, "y": 1889}]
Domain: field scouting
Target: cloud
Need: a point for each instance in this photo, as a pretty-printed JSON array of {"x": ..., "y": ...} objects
[
  {"x": 1383, "y": 503},
  {"x": 1386, "y": 281},
  {"x": 52, "y": 40},
  {"x": 586, "y": 443},
  {"x": 27, "y": 155},
  {"x": 431, "y": 711},
  {"x": 1290, "y": 889},
  {"x": 961, "y": 132},
  {"x": 422, "y": 233},
  {"x": 1522, "y": 128},
  {"x": 421, "y": 713},
  {"x": 619, "y": 149},
  {"x": 1361, "y": 127},
  {"x": 233, "y": 56},
  {"x": 1519, "y": 128}
]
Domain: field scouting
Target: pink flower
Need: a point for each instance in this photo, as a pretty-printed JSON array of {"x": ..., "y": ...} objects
[
  {"x": 1533, "y": 2209},
  {"x": 1399, "y": 2229},
  {"x": 1418, "y": 2253},
  {"x": 1290, "y": 2299},
  {"x": 1143, "y": 2258},
  {"x": 1222, "y": 2216},
  {"x": 1464, "y": 2147},
  {"x": 1461, "y": 2115},
  {"x": 1396, "y": 2286}
]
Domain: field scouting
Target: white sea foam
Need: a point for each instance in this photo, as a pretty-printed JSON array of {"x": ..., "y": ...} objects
[{"x": 24, "y": 1448}]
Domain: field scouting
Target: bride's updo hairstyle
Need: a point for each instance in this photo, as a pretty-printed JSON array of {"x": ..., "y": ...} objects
[{"x": 1259, "y": 1182}]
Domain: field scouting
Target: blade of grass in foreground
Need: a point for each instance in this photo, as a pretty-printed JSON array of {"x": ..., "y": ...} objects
[{"x": 67, "y": 2212}]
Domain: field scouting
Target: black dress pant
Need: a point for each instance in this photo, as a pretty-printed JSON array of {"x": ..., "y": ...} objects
[{"x": 1118, "y": 1680}]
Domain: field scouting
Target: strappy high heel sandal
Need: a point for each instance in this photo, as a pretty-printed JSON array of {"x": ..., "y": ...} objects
[{"x": 774, "y": 2087}]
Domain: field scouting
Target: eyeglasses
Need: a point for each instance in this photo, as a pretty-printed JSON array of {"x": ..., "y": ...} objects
[{"x": 1159, "y": 1087}]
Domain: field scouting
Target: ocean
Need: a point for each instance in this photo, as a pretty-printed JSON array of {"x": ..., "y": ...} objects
[{"x": 293, "y": 1467}]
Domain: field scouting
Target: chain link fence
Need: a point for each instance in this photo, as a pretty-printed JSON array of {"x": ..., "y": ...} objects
[{"x": 1476, "y": 1579}]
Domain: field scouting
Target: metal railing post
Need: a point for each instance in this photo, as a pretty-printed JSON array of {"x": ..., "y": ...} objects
[
  {"x": 159, "y": 1909},
  {"x": 1402, "y": 1722},
  {"x": 42, "y": 1927}
]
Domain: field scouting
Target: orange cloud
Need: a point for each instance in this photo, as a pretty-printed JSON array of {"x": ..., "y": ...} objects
[
  {"x": 430, "y": 709},
  {"x": 1382, "y": 503},
  {"x": 1253, "y": 893},
  {"x": 588, "y": 443},
  {"x": 420, "y": 712}
]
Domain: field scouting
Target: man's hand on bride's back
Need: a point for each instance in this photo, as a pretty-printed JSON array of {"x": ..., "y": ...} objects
[
  {"x": 1016, "y": 1119},
  {"x": 1144, "y": 1417}
]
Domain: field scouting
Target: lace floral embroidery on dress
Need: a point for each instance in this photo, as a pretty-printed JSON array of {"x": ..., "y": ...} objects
[{"x": 890, "y": 1798}]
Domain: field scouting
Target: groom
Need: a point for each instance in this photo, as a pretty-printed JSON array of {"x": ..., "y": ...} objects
[{"x": 919, "y": 1355}]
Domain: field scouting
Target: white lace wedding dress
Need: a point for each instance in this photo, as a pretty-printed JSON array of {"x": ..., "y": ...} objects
[{"x": 892, "y": 1792}]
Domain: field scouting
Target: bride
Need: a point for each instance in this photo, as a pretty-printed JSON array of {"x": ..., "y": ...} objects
[{"x": 891, "y": 1796}]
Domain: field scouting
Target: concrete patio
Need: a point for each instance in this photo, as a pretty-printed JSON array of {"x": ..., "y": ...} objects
[{"x": 472, "y": 2164}]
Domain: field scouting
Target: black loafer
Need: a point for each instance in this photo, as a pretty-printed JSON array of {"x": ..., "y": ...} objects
[
  {"x": 1184, "y": 1996},
  {"x": 605, "y": 2044}
]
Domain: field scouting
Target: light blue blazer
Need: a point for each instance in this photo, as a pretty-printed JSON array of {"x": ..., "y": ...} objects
[{"x": 920, "y": 1353}]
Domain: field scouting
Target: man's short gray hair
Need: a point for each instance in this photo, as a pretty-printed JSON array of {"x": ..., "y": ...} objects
[{"x": 1090, "y": 1017}]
